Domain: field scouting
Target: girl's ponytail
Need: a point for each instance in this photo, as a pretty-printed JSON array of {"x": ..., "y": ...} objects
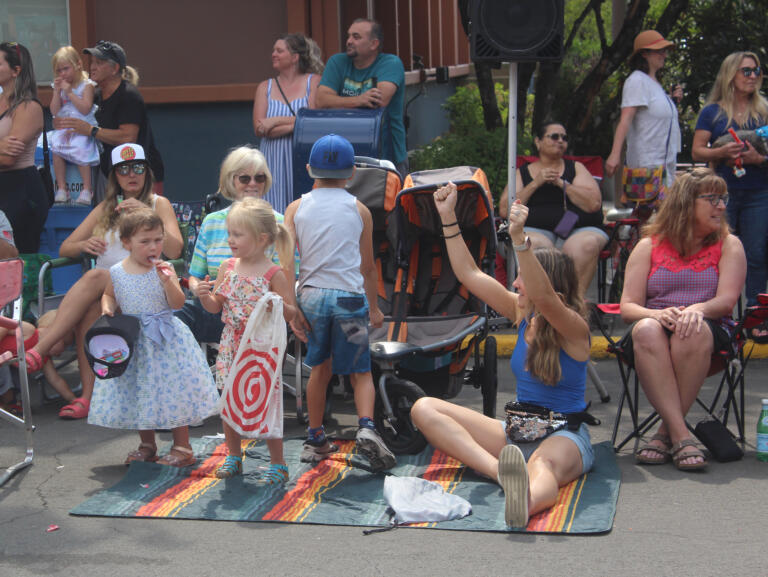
[{"x": 285, "y": 250}]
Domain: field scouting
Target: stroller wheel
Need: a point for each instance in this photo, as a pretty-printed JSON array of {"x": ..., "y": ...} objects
[
  {"x": 398, "y": 431},
  {"x": 489, "y": 376}
]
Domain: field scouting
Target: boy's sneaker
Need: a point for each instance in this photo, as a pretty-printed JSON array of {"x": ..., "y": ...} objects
[
  {"x": 312, "y": 453},
  {"x": 371, "y": 445},
  {"x": 61, "y": 196},
  {"x": 84, "y": 197}
]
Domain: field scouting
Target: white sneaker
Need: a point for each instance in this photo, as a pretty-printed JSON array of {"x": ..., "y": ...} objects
[
  {"x": 513, "y": 478},
  {"x": 370, "y": 444},
  {"x": 61, "y": 196},
  {"x": 84, "y": 197}
]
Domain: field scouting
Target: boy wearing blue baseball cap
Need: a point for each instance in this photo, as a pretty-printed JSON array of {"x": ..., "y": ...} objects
[{"x": 333, "y": 232}]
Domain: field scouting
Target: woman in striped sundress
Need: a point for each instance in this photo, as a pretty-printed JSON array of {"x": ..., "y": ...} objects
[{"x": 296, "y": 59}]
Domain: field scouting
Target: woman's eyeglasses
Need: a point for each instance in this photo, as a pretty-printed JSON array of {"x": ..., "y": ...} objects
[
  {"x": 137, "y": 168},
  {"x": 556, "y": 136},
  {"x": 246, "y": 178},
  {"x": 747, "y": 71},
  {"x": 714, "y": 199}
]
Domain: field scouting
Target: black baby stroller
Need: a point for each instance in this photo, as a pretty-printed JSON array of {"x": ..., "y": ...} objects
[{"x": 433, "y": 323}]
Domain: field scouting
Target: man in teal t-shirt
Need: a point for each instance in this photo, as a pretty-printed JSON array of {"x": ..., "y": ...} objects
[{"x": 363, "y": 77}]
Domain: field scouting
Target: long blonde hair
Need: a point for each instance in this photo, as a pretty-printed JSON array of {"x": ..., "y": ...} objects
[
  {"x": 722, "y": 91},
  {"x": 256, "y": 216},
  {"x": 676, "y": 215},
  {"x": 543, "y": 359}
]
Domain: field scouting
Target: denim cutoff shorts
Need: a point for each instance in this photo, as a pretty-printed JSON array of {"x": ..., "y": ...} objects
[
  {"x": 580, "y": 437},
  {"x": 339, "y": 329}
]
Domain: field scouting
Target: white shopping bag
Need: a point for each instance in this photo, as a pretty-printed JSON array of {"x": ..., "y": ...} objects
[{"x": 252, "y": 400}]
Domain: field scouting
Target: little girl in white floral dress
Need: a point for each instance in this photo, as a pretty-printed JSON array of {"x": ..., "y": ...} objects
[
  {"x": 241, "y": 282},
  {"x": 167, "y": 384}
]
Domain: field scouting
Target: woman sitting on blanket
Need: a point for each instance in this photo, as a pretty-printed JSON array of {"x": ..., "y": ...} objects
[{"x": 549, "y": 362}]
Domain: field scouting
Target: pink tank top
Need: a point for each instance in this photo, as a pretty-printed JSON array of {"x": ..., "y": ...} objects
[{"x": 26, "y": 158}]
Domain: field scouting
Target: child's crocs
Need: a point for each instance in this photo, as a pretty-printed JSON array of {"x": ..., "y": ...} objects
[{"x": 77, "y": 409}]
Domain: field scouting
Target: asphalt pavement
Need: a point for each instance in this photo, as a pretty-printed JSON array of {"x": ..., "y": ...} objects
[{"x": 667, "y": 522}]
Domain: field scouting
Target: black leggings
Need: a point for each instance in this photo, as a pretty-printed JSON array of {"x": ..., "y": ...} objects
[{"x": 24, "y": 202}]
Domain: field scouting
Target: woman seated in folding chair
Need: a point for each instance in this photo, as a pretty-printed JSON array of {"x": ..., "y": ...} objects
[
  {"x": 549, "y": 362},
  {"x": 682, "y": 282},
  {"x": 129, "y": 186}
]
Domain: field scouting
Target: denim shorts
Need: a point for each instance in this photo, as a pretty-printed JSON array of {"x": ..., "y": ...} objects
[
  {"x": 559, "y": 242},
  {"x": 580, "y": 437},
  {"x": 339, "y": 329}
]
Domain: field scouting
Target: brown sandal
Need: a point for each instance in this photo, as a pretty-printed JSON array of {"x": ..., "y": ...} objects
[
  {"x": 679, "y": 454},
  {"x": 145, "y": 453},
  {"x": 662, "y": 453},
  {"x": 179, "y": 456}
]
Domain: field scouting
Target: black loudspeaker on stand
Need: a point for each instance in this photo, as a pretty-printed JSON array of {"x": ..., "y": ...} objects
[{"x": 516, "y": 30}]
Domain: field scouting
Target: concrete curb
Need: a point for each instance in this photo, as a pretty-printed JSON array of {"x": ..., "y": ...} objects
[{"x": 506, "y": 343}]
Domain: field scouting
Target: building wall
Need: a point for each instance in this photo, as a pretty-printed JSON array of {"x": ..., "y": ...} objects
[{"x": 195, "y": 138}]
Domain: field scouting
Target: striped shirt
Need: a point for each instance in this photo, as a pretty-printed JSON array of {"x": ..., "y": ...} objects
[
  {"x": 212, "y": 246},
  {"x": 279, "y": 151}
]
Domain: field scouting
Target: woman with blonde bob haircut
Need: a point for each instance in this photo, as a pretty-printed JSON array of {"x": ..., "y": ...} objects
[
  {"x": 735, "y": 103},
  {"x": 683, "y": 280},
  {"x": 243, "y": 174}
]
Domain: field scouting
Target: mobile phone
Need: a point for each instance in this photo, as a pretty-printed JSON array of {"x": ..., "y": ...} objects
[{"x": 374, "y": 82}]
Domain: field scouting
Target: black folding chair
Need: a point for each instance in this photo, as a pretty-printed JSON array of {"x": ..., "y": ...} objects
[{"x": 729, "y": 395}]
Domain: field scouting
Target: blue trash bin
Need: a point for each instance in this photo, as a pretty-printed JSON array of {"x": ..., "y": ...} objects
[
  {"x": 362, "y": 127},
  {"x": 61, "y": 221}
]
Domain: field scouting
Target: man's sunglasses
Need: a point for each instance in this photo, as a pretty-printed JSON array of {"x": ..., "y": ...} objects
[{"x": 557, "y": 136}]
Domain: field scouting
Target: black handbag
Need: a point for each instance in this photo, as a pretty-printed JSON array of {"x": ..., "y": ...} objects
[{"x": 718, "y": 440}]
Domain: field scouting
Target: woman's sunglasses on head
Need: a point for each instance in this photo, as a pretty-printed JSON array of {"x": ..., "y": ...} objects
[
  {"x": 135, "y": 167},
  {"x": 246, "y": 178}
]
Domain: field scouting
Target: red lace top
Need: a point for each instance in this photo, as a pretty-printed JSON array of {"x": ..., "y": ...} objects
[{"x": 675, "y": 281}]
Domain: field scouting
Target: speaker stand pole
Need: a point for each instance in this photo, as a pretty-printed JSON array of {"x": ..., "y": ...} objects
[{"x": 511, "y": 164}]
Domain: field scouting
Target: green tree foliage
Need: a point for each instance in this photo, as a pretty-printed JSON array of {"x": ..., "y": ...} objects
[
  {"x": 584, "y": 90},
  {"x": 468, "y": 143}
]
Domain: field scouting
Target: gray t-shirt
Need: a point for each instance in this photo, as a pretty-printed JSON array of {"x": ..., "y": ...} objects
[
  {"x": 654, "y": 122},
  {"x": 6, "y": 232}
]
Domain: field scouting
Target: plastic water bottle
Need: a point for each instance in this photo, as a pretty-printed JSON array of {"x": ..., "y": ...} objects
[{"x": 762, "y": 433}]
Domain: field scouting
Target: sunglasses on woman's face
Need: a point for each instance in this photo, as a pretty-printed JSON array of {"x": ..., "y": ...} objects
[
  {"x": 135, "y": 167},
  {"x": 246, "y": 178},
  {"x": 556, "y": 136},
  {"x": 747, "y": 71}
]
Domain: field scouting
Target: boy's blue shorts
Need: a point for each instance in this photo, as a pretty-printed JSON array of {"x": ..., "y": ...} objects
[{"x": 339, "y": 329}]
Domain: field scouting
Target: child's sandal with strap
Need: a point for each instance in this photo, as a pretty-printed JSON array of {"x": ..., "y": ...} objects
[
  {"x": 232, "y": 466},
  {"x": 275, "y": 475}
]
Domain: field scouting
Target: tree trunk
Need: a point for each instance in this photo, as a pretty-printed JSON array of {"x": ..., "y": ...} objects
[{"x": 491, "y": 114}]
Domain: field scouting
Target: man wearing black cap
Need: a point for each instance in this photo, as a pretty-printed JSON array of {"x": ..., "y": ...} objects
[{"x": 122, "y": 114}]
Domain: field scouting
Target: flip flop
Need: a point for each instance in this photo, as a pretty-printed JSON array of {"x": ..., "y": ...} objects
[
  {"x": 34, "y": 360},
  {"x": 77, "y": 409}
]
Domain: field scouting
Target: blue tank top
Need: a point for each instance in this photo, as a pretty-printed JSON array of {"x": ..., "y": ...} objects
[{"x": 567, "y": 396}]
